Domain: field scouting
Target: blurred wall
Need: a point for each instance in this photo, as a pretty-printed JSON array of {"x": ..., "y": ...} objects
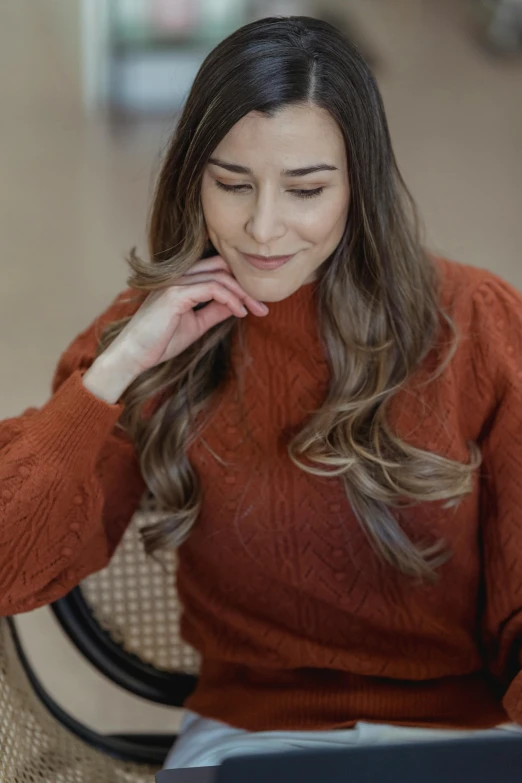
[{"x": 41, "y": 52}]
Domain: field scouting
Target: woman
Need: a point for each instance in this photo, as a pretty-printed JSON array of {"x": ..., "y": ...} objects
[{"x": 328, "y": 418}]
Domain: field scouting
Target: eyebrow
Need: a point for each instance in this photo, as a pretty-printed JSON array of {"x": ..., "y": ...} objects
[{"x": 236, "y": 169}]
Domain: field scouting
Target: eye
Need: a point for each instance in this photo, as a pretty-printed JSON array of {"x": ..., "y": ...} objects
[
  {"x": 245, "y": 188},
  {"x": 308, "y": 193},
  {"x": 232, "y": 188}
]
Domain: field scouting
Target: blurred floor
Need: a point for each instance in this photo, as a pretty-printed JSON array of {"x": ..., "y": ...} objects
[{"x": 74, "y": 196}]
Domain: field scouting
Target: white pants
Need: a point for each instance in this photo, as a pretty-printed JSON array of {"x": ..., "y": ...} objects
[{"x": 206, "y": 743}]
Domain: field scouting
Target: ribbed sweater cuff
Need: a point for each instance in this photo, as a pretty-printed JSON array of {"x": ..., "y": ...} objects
[{"x": 73, "y": 425}]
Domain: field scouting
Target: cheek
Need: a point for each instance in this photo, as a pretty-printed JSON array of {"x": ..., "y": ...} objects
[
  {"x": 208, "y": 207},
  {"x": 324, "y": 225},
  {"x": 336, "y": 219},
  {"x": 219, "y": 218}
]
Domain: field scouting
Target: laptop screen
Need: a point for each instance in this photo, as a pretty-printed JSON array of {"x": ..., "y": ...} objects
[
  {"x": 486, "y": 760},
  {"x": 491, "y": 760}
]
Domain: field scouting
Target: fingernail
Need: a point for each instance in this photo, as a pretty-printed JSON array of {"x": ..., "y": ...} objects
[
  {"x": 264, "y": 307},
  {"x": 244, "y": 310}
]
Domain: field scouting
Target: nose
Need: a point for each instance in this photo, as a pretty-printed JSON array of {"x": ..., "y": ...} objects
[{"x": 266, "y": 223}]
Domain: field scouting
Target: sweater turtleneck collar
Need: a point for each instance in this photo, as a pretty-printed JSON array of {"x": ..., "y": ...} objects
[{"x": 296, "y": 314}]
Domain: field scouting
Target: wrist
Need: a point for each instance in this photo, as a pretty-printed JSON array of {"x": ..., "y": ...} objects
[{"x": 107, "y": 378}]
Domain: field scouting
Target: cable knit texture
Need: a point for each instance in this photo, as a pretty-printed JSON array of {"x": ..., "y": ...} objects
[{"x": 299, "y": 624}]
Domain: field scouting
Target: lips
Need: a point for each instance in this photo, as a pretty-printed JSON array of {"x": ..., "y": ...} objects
[{"x": 270, "y": 262}]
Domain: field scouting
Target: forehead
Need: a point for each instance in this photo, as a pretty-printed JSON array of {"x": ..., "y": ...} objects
[{"x": 295, "y": 135}]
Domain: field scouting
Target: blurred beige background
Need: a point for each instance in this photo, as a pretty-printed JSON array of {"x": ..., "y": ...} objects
[{"x": 75, "y": 189}]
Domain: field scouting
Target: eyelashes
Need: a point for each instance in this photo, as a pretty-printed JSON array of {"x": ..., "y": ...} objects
[{"x": 239, "y": 189}]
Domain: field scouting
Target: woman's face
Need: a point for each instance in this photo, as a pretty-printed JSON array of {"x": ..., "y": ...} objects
[{"x": 261, "y": 198}]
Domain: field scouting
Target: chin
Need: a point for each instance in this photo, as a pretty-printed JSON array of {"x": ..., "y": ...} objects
[{"x": 269, "y": 290}]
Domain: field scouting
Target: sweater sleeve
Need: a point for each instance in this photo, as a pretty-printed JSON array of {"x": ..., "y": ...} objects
[
  {"x": 498, "y": 335},
  {"x": 69, "y": 483}
]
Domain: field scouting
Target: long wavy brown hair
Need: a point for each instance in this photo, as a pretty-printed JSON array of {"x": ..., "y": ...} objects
[{"x": 378, "y": 297}]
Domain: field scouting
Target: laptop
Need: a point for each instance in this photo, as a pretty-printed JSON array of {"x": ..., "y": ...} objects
[{"x": 495, "y": 759}]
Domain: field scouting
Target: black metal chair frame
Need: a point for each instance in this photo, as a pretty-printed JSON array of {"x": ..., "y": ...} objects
[
  {"x": 126, "y": 670},
  {"x": 111, "y": 659}
]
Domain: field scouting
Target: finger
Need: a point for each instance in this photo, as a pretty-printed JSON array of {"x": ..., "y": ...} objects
[
  {"x": 187, "y": 297},
  {"x": 258, "y": 308},
  {"x": 226, "y": 296},
  {"x": 214, "y": 264}
]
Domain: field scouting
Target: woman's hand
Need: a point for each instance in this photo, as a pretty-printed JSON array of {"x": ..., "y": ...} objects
[{"x": 166, "y": 324}]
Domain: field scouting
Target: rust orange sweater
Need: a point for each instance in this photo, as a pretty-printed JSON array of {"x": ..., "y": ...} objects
[{"x": 298, "y": 622}]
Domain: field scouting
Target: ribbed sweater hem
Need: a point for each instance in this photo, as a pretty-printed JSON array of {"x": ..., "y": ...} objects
[{"x": 308, "y": 700}]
